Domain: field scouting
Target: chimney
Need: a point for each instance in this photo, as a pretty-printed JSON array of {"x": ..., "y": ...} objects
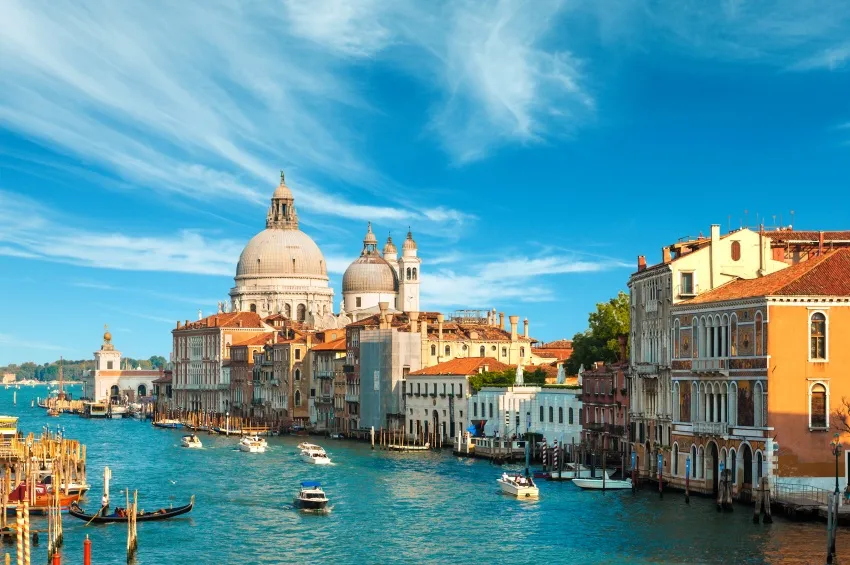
[
  {"x": 820, "y": 244},
  {"x": 238, "y": 323},
  {"x": 714, "y": 255},
  {"x": 525, "y": 327},
  {"x": 382, "y": 317},
  {"x": 309, "y": 340},
  {"x": 178, "y": 324},
  {"x": 501, "y": 320},
  {"x": 440, "y": 320},
  {"x": 414, "y": 318},
  {"x": 514, "y": 323},
  {"x": 622, "y": 339},
  {"x": 486, "y": 368},
  {"x": 641, "y": 263},
  {"x": 423, "y": 329},
  {"x": 665, "y": 254}
]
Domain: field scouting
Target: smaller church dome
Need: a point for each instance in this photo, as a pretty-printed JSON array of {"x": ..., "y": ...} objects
[
  {"x": 370, "y": 238},
  {"x": 282, "y": 191},
  {"x": 409, "y": 244},
  {"x": 369, "y": 273}
]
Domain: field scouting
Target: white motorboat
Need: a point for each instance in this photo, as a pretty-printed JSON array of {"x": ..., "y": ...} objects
[
  {"x": 252, "y": 444},
  {"x": 603, "y": 484},
  {"x": 518, "y": 485},
  {"x": 191, "y": 441},
  {"x": 311, "y": 497},
  {"x": 315, "y": 456},
  {"x": 305, "y": 445},
  {"x": 116, "y": 411}
]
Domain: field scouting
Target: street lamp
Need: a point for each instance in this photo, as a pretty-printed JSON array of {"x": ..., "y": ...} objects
[{"x": 836, "y": 450}]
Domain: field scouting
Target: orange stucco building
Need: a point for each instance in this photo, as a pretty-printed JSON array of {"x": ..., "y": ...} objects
[{"x": 760, "y": 367}]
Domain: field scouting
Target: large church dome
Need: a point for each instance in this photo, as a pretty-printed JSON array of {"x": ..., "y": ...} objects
[{"x": 281, "y": 253}]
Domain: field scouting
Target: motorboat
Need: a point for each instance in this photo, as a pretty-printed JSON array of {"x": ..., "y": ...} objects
[
  {"x": 337, "y": 436},
  {"x": 72, "y": 487},
  {"x": 43, "y": 499},
  {"x": 603, "y": 484},
  {"x": 168, "y": 423},
  {"x": 191, "y": 441},
  {"x": 306, "y": 445},
  {"x": 53, "y": 412},
  {"x": 573, "y": 470},
  {"x": 116, "y": 411},
  {"x": 315, "y": 456},
  {"x": 518, "y": 485},
  {"x": 252, "y": 444},
  {"x": 311, "y": 497}
]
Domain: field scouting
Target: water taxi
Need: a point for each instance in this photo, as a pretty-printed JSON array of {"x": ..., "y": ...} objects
[
  {"x": 117, "y": 411},
  {"x": 315, "y": 455},
  {"x": 518, "y": 485},
  {"x": 191, "y": 441},
  {"x": 168, "y": 423},
  {"x": 311, "y": 497},
  {"x": 252, "y": 444},
  {"x": 95, "y": 410}
]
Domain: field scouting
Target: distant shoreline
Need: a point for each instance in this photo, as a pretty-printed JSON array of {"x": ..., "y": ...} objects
[{"x": 42, "y": 383}]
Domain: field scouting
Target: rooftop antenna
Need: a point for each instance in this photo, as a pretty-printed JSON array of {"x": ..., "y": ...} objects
[
  {"x": 792, "y": 220},
  {"x": 774, "y": 220}
]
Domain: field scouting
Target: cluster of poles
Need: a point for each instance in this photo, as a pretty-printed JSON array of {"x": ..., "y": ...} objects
[{"x": 395, "y": 439}]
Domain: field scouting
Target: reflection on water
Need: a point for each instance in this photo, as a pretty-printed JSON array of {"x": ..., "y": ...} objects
[{"x": 389, "y": 508}]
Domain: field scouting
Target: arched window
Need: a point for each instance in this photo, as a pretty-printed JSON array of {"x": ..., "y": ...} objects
[
  {"x": 758, "y": 405},
  {"x": 736, "y": 250},
  {"x": 302, "y": 312},
  {"x": 579, "y": 417},
  {"x": 481, "y": 351},
  {"x": 817, "y": 406},
  {"x": 504, "y": 352},
  {"x": 298, "y": 398},
  {"x": 733, "y": 334},
  {"x": 408, "y": 273},
  {"x": 522, "y": 352},
  {"x": 560, "y": 415},
  {"x": 570, "y": 415},
  {"x": 253, "y": 307},
  {"x": 758, "y": 465},
  {"x": 675, "y": 459},
  {"x": 694, "y": 339},
  {"x": 448, "y": 351},
  {"x": 676, "y": 339},
  {"x": 759, "y": 335},
  {"x": 297, "y": 374},
  {"x": 142, "y": 390},
  {"x": 693, "y": 462},
  {"x": 541, "y": 413},
  {"x": 817, "y": 336},
  {"x": 433, "y": 350},
  {"x": 551, "y": 415},
  {"x": 733, "y": 465},
  {"x": 414, "y": 273}
]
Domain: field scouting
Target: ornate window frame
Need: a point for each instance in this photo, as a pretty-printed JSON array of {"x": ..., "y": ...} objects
[
  {"x": 812, "y": 383},
  {"x": 825, "y": 313}
]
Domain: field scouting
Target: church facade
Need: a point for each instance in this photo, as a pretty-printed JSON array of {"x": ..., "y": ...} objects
[{"x": 109, "y": 383}]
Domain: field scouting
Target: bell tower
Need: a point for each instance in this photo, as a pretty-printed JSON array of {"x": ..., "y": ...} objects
[
  {"x": 409, "y": 266},
  {"x": 107, "y": 358}
]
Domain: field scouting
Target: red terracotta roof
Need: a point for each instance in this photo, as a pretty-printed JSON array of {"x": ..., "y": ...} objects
[
  {"x": 808, "y": 235},
  {"x": 336, "y": 345},
  {"x": 226, "y": 320},
  {"x": 462, "y": 366},
  {"x": 260, "y": 339},
  {"x": 826, "y": 275}
]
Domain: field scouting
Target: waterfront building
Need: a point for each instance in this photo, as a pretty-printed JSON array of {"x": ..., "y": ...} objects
[
  {"x": 556, "y": 412},
  {"x": 327, "y": 375},
  {"x": 243, "y": 377},
  {"x": 162, "y": 390},
  {"x": 605, "y": 396},
  {"x": 376, "y": 277},
  {"x": 436, "y": 396},
  {"x": 688, "y": 269},
  {"x": 758, "y": 368},
  {"x": 201, "y": 358},
  {"x": 109, "y": 382},
  {"x": 464, "y": 335},
  {"x": 9, "y": 378}
]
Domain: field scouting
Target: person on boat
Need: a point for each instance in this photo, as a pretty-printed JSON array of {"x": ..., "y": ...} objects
[{"x": 104, "y": 505}]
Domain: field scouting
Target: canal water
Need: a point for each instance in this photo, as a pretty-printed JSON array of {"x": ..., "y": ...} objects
[{"x": 387, "y": 508}]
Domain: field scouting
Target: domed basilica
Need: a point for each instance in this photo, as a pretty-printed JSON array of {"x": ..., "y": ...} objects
[{"x": 283, "y": 271}]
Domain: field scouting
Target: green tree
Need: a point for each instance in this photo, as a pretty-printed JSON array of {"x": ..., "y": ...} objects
[
  {"x": 157, "y": 361},
  {"x": 599, "y": 341}
]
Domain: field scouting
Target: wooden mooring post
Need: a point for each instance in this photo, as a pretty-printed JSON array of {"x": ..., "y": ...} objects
[
  {"x": 831, "y": 526},
  {"x": 762, "y": 502},
  {"x": 132, "y": 539}
]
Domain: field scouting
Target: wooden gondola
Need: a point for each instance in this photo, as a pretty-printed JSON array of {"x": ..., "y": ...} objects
[{"x": 162, "y": 514}]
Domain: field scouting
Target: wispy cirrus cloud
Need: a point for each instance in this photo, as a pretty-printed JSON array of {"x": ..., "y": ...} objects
[{"x": 519, "y": 279}]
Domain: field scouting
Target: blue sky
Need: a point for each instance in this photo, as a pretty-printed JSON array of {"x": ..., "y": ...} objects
[{"x": 535, "y": 148}]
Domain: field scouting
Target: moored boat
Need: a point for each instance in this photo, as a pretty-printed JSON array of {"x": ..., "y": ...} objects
[
  {"x": 252, "y": 444},
  {"x": 116, "y": 411},
  {"x": 518, "y": 485},
  {"x": 311, "y": 497},
  {"x": 120, "y": 516},
  {"x": 191, "y": 441},
  {"x": 603, "y": 484},
  {"x": 43, "y": 499},
  {"x": 95, "y": 410},
  {"x": 168, "y": 423}
]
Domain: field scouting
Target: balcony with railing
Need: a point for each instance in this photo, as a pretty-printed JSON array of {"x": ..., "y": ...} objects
[
  {"x": 352, "y": 398},
  {"x": 326, "y": 374},
  {"x": 715, "y": 365},
  {"x": 711, "y": 428}
]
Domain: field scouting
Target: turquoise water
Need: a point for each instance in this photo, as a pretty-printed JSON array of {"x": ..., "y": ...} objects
[{"x": 387, "y": 508}]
